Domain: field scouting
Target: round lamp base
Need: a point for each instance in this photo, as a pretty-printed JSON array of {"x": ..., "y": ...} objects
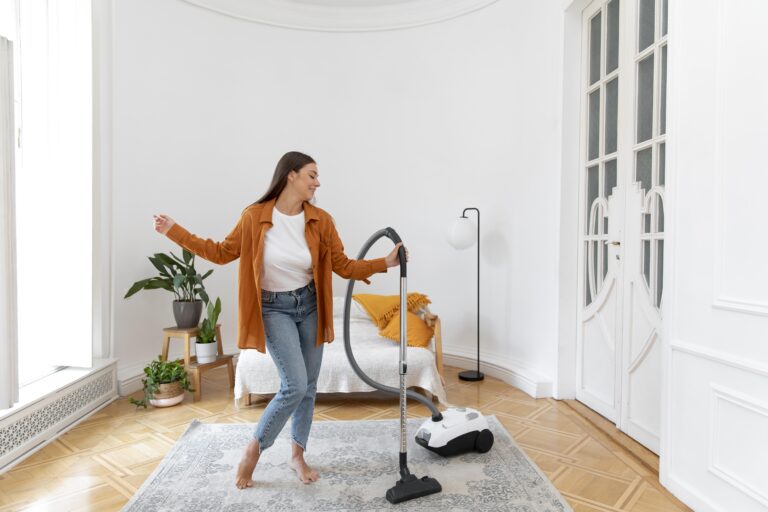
[{"x": 471, "y": 375}]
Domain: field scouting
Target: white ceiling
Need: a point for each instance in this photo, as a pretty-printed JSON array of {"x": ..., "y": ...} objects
[{"x": 343, "y": 15}]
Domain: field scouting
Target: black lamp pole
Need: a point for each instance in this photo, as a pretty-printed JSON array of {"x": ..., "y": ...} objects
[{"x": 474, "y": 375}]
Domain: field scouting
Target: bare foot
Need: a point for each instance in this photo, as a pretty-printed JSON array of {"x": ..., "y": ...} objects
[
  {"x": 306, "y": 474},
  {"x": 247, "y": 465}
]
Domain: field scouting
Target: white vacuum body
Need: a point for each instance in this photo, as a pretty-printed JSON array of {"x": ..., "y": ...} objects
[
  {"x": 454, "y": 431},
  {"x": 461, "y": 430}
]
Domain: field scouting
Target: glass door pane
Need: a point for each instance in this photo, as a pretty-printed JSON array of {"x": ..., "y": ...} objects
[
  {"x": 594, "y": 49},
  {"x": 645, "y": 99},
  {"x": 612, "y": 41},
  {"x": 602, "y": 101},
  {"x": 646, "y": 25},
  {"x": 650, "y": 132},
  {"x": 594, "y": 124},
  {"x": 611, "y": 115}
]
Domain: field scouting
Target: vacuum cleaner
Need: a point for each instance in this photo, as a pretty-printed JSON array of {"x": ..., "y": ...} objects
[{"x": 457, "y": 430}]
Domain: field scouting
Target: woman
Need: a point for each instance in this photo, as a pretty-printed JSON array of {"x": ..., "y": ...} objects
[{"x": 287, "y": 249}]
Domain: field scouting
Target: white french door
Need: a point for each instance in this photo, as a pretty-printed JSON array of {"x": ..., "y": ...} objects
[
  {"x": 601, "y": 214},
  {"x": 622, "y": 180}
]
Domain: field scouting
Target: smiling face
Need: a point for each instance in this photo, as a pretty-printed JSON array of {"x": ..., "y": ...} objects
[{"x": 304, "y": 182}]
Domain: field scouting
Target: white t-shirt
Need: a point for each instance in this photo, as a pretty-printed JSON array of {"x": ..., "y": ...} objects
[{"x": 287, "y": 261}]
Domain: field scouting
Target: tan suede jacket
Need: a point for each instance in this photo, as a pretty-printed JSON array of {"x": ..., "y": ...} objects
[{"x": 246, "y": 242}]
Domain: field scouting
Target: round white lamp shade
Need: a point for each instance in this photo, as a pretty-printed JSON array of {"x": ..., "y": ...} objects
[{"x": 463, "y": 233}]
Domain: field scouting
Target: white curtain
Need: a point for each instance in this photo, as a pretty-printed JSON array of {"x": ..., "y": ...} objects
[
  {"x": 54, "y": 184},
  {"x": 8, "y": 323}
]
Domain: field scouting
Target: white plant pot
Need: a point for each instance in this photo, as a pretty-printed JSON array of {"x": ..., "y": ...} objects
[
  {"x": 166, "y": 402},
  {"x": 206, "y": 352},
  {"x": 168, "y": 395}
]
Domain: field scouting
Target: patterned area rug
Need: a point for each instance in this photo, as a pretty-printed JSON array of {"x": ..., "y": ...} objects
[{"x": 357, "y": 461}]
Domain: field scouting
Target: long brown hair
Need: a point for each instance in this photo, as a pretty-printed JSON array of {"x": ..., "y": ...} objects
[{"x": 291, "y": 161}]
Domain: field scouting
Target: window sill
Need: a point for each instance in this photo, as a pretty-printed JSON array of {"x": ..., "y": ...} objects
[{"x": 52, "y": 384}]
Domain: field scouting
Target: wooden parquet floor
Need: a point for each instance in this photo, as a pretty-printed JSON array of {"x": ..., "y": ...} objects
[{"x": 99, "y": 464}]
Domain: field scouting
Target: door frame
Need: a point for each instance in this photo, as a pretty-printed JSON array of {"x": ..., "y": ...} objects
[
  {"x": 614, "y": 283},
  {"x": 571, "y": 196},
  {"x": 565, "y": 382}
]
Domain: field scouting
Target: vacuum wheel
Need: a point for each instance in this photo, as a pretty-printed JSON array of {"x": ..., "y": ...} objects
[{"x": 484, "y": 441}]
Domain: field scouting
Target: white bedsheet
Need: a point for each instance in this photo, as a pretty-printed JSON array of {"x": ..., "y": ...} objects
[{"x": 376, "y": 356}]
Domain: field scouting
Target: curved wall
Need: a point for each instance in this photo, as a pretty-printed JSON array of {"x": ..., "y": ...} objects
[{"x": 408, "y": 126}]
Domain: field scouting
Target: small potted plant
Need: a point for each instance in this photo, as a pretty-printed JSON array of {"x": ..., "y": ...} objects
[
  {"x": 164, "y": 384},
  {"x": 205, "y": 346},
  {"x": 178, "y": 276}
]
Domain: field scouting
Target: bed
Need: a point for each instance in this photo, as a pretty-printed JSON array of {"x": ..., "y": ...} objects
[{"x": 376, "y": 356}]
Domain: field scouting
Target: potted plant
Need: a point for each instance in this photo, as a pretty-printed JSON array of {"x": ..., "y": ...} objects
[
  {"x": 205, "y": 348},
  {"x": 164, "y": 384},
  {"x": 178, "y": 276}
]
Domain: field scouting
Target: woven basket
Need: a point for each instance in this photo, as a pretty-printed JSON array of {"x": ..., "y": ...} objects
[{"x": 169, "y": 390}]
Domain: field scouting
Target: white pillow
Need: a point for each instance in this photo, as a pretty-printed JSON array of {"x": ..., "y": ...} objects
[
  {"x": 356, "y": 311},
  {"x": 360, "y": 331}
]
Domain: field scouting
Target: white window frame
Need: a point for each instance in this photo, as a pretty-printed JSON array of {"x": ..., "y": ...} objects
[
  {"x": 595, "y": 275},
  {"x": 9, "y": 379},
  {"x": 571, "y": 237},
  {"x": 64, "y": 134}
]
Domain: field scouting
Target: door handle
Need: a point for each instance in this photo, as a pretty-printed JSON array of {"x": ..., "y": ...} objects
[{"x": 615, "y": 242}]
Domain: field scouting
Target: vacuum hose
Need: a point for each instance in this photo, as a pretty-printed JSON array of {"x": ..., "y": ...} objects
[{"x": 392, "y": 235}]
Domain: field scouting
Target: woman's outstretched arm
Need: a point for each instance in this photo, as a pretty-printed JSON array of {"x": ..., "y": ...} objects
[
  {"x": 359, "y": 269},
  {"x": 215, "y": 252}
]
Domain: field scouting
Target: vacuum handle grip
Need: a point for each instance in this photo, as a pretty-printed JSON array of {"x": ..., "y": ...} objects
[{"x": 392, "y": 235}]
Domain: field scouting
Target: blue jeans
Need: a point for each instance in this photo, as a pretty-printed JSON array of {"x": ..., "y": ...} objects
[{"x": 290, "y": 323}]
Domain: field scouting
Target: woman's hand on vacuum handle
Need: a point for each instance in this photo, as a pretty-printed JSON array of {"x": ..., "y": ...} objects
[
  {"x": 392, "y": 259},
  {"x": 163, "y": 223}
]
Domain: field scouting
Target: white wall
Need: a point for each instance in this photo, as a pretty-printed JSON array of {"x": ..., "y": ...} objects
[
  {"x": 715, "y": 415},
  {"x": 8, "y": 19},
  {"x": 408, "y": 128}
]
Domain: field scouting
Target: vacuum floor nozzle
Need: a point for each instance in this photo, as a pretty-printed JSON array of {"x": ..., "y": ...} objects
[{"x": 411, "y": 487}]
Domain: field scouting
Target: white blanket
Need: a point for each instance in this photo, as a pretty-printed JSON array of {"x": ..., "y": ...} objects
[{"x": 376, "y": 356}]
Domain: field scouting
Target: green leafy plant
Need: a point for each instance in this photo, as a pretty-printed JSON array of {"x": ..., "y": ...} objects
[
  {"x": 161, "y": 372},
  {"x": 177, "y": 275},
  {"x": 208, "y": 329}
]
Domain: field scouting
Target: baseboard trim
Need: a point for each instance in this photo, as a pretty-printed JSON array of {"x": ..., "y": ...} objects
[
  {"x": 129, "y": 377},
  {"x": 510, "y": 372},
  {"x": 130, "y": 385},
  {"x": 514, "y": 374},
  {"x": 687, "y": 495},
  {"x": 35, "y": 425}
]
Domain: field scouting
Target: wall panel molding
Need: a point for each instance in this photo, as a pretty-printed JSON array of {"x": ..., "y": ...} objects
[
  {"x": 721, "y": 396},
  {"x": 739, "y": 305},
  {"x": 724, "y": 83},
  {"x": 719, "y": 357},
  {"x": 341, "y": 15}
]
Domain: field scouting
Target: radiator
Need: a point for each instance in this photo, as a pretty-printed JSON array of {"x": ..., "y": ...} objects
[{"x": 35, "y": 425}]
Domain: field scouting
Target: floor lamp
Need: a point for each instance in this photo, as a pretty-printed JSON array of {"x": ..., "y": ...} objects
[{"x": 462, "y": 236}]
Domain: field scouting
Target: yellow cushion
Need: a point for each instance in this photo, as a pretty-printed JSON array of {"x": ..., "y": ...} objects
[
  {"x": 381, "y": 308},
  {"x": 419, "y": 333}
]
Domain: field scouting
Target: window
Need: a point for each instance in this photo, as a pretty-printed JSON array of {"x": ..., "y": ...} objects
[
  {"x": 8, "y": 325},
  {"x": 602, "y": 101},
  {"x": 650, "y": 137},
  {"x": 53, "y": 185},
  {"x": 633, "y": 145}
]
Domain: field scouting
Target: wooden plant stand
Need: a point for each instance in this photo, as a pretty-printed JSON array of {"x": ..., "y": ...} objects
[{"x": 195, "y": 369}]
